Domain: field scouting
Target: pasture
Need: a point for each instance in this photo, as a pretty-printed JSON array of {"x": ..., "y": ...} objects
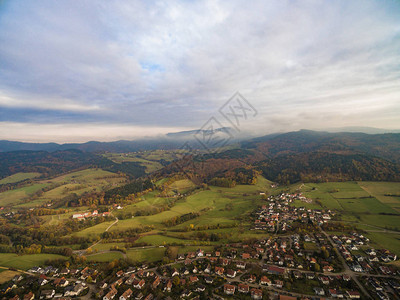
[
  {"x": 88, "y": 180},
  {"x": 390, "y": 241},
  {"x": 25, "y": 262},
  {"x": 6, "y": 275},
  {"x": 20, "y": 195},
  {"x": 146, "y": 255},
  {"x": 105, "y": 257},
  {"x": 216, "y": 206},
  {"x": 151, "y": 160},
  {"x": 17, "y": 177},
  {"x": 226, "y": 213},
  {"x": 386, "y": 192}
]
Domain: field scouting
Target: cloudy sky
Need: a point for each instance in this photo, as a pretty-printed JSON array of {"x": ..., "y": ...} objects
[{"x": 108, "y": 70}]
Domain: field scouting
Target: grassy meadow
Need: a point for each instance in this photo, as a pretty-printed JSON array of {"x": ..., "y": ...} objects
[
  {"x": 17, "y": 177},
  {"x": 88, "y": 180},
  {"x": 25, "y": 262}
]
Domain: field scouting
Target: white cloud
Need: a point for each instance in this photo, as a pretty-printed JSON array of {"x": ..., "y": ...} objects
[
  {"x": 78, "y": 132},
  {"x": 45, "y": 104},
  {"x": 174, "y": 63}
]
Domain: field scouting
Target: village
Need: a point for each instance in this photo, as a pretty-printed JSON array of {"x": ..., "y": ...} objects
[{"x": 289, "y": 264}]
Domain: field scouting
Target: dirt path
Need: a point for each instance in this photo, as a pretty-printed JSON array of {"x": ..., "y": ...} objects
[
  {"x": 80, "y": 252},
  {"x": 116, "y": 221}
]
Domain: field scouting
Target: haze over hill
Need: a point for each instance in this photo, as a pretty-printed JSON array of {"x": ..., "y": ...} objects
[{"x": 289, "y": 157}]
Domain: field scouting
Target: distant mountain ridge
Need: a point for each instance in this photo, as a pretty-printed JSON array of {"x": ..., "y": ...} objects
[
  {"x": 304, "y": 155},
  {"x": 170, "y": 141}
]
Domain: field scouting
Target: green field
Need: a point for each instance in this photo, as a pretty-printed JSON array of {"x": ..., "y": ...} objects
[
  {"x": 382, "y": 190},
  {"x": 182, "y": 185},
  {"x": 25, "y": 262},
  {"x": 146, "y": 255},
  {"x": 365, "y": 205},
  {"x": 18, "y": 196},
  {"x": 105, "y": 257},
  {"x": 107, "y": 246},
  {"x": 216, "y": 206},
  {"x": 385, "y": 240},
  {"x": 17, "y": 177},
  {"x": 148, "y": 159},
  {"x": 225, "y": 212},
  {"x": 158, "y": 240},
  {"x": 89, "y": 180}
]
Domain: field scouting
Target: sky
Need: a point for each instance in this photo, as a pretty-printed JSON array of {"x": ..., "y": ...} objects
[{"x": 73, "y": 71}]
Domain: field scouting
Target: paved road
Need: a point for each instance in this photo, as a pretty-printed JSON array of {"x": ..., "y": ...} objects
[{"x": 348, "y": 271}]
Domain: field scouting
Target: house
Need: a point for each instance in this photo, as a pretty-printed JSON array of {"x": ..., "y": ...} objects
[
  {"x": 140, "y": 284},
  {"x": 252, "y": 278},
  {"x": 60, "y": 282},
  {"x": 219, "y": 271},
  {"x": 265, "y": 280},
  {"x": 243, "y": 288},
  {"x": 208, "y": 280},
  {"x": 275, "y": 270},
  {"x": 200, "y": 288},
  {"x": 256, "y": 294},
  {"x": 310, "y": 276},
  {"x": 149, "y": 297},
  {"x": 29, "y": 296},
  {"x": 131, "y": 279},
  {"x": 225, "y": 262},
  {"x": 324, "y": 279},
  {"x": 246, "y": 256},
  {"x": 229, "y": 289},
  {"x": 284, "y": 297},
  {"x": 120, "y": 273},
  {"x": 207, "y": 269},
  {"x": 193, "y": 279},
  {"x": 297, "y": 274},
  {"x": 126, "y": 295},
  {"x": 156, "y": 282},
  {"x": 139, "y": 296},
  {"x": 168, "y": 286},
  {"x": 328, "y": 268},
  {"x": 186, "y": 293},
  {"x": 241, "y": 265},
  {"x": 17, "y": 278},
  {"x": 42, "y": 281},
  {"x": 64, "y": 271},
  {"x": 231, "y": 273},
  {"x": 47, "y": 294},
  {"x": 130, "y": 270},
  {"x": 333, "y": 293},
  {"x": 278, "y": 283},
  {"x": 353, "y": 294},
  {"x": 103, "y": 285},
  {"x": 175, "y": 272},
  {"x": 77, "y": 289},
  {"x": 319, "y": 291}
]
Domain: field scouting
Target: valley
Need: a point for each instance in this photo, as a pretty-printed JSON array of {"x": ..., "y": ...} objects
[{"x": 107, "y": 222}]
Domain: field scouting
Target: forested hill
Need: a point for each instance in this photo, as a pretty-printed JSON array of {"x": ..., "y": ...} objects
[
  {"x": 58, "y": 162},
  {"x": 303, "y": 155},
  {"x": 385, "y": 145}
]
